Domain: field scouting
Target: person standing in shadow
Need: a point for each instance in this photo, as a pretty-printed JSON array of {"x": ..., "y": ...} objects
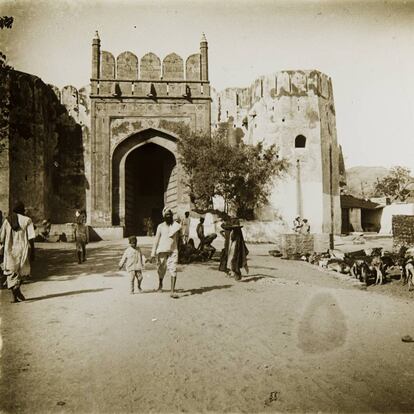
[{"x": 81, "y": 239}]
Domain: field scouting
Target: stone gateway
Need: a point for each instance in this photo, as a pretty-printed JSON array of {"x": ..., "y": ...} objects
[
  {"x": 136, "y": 106},
  {"x": 111, "y": 147}
]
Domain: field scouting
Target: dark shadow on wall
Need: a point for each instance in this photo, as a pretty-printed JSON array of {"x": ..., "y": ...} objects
[
  {"x": 93, "y": 235},
  {"x": 69, "y": 183},
  {"x": 47, "y": 166}
]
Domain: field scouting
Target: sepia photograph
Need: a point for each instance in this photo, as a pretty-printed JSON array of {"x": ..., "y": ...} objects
[{"x": 206, "y": 206}]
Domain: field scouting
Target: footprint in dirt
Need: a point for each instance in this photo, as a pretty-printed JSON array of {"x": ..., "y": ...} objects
[{"x": 323, "y": 325}]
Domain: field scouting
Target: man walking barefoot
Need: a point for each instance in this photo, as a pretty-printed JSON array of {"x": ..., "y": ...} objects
[{"x": 165, "y": 249}]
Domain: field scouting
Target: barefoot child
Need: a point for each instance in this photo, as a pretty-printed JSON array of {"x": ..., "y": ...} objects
[{"x": 134, "y": 262}]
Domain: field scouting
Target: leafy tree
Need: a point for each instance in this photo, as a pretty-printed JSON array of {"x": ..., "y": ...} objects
[
  {"x": 242, "y": 175},
  {"x": 395, "y": 184},
  {"x": 260, "y": 166}
]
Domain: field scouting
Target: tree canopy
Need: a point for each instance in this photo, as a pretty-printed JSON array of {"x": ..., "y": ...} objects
[
  {"x": 242, "y": 175},
  {"x": 395, "y": 184}
]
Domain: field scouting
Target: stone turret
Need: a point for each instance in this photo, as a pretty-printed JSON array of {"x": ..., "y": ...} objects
[
  {"x": 294, "y": 110},
  {"x": 96, "y": 55},
  {"x": 204, "y": 58}
]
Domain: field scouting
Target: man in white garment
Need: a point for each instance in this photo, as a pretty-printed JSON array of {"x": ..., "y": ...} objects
[
  {"x": 17, "y": 236},
  {"x": 165, "y": 249}
]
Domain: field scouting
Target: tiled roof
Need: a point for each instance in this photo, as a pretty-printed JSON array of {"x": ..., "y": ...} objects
[{"x": 349, "y": 201}]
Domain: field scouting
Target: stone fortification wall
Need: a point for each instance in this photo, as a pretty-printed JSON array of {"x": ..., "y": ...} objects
[
  {"x": 239, "y": 102},
  {"x": 295, "y": 111},
  {"x": 43, "y": 161}
]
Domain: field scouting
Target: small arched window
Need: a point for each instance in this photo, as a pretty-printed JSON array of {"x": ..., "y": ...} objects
[{"x": 300, "y": 141}]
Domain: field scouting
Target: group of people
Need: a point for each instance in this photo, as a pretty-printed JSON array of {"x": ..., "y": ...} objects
[
  {"x": 301, "y": 226},
  {"x": 165, "y": 250},
  {"x": 187, "y": 251},
  {"x": 17, "y": 250},
  {"x": 17, "y": 236}
]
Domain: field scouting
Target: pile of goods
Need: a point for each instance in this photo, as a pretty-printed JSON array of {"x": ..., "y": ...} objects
[{"x": 365, "y": 265}]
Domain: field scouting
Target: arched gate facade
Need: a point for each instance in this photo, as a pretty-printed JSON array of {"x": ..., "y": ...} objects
[{"x": 137, "y": 107}]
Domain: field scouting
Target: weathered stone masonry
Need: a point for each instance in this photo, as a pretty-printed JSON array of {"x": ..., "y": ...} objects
[
  {"x": 112, "y": 147},
  {"x": 294, "y": 110},
  {"x": 403, "y": 231},
  {"x": 136, "y": 102},
  {"x": 42, "y": 163}
]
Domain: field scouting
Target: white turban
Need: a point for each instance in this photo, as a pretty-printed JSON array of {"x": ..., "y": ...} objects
[{"x": 166, "y": 210}]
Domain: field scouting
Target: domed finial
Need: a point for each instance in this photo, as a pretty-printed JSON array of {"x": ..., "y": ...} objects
[
  {"x": 203, "y": 38},
  {"x": 96, "y": 35}
]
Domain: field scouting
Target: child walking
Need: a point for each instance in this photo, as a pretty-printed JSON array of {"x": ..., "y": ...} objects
[{"x": 134, "y": 262}]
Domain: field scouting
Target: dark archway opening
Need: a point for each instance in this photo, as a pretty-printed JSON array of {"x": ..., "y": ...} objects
[{"x": 147, "y": 175}]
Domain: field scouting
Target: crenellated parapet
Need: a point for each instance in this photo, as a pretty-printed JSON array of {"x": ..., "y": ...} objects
[
  {"x": 127, "y": 75},
  {"x": 76, "y": 102},
  {"x": 265, "y": 90},
  {"x": 127, "y": 66}
]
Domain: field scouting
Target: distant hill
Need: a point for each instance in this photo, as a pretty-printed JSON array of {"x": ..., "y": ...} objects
[{"x": 361, "y": 180}]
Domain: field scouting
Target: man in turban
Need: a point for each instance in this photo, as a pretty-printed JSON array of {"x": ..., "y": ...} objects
[
  {"x": 17, "y": 236},
  {"x": 165, "y": 249}
]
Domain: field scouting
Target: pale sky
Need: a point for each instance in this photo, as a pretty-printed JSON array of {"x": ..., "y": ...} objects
[{"x": 367, "y": 48}]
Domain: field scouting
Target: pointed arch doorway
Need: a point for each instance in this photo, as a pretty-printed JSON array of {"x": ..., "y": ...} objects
[{"x": 144, "y": 180}]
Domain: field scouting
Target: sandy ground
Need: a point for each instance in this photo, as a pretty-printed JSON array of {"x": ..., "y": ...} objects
[{"x": 288, "y": 338}]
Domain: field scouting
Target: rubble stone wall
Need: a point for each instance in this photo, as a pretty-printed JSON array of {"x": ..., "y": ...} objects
[
  {"x": 296, "y": 245},
  {"x": 403, "y": 230}
]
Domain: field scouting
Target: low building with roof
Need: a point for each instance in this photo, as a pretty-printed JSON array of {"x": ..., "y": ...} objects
[{"x": 360, "y": 215}]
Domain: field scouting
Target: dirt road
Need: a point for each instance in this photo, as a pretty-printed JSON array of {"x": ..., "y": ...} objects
[{"x": 286, "y": 338}]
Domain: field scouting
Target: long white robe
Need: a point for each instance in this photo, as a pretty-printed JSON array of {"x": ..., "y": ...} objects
[{"x": 16, "y": 244}]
